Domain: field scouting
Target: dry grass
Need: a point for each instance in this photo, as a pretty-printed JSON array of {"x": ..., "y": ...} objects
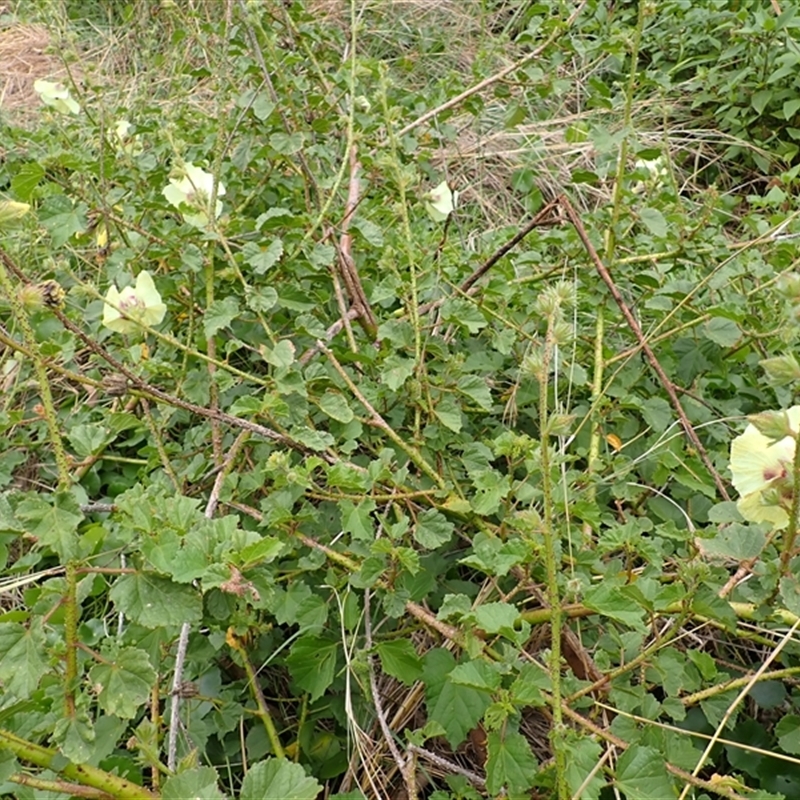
[{"x": 26, "y": 55}]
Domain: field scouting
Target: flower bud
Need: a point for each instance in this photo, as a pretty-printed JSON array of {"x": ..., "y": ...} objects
[
  {"x": 11, "y": 211},
  {"x": 775, "y": 425},
  {"x": 781, "y": 370}
]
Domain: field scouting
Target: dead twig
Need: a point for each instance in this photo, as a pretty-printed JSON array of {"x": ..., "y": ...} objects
[{"x": 636, "y": 329}]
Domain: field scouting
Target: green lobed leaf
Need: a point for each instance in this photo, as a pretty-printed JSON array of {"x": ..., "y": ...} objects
[
  {"x": 263, "y": 551},
  {"x": 722, "y": 331},
  {"x": 183, "y": 558},
  {"x": 336, "y": 406},
  {"x": 400, "y": 660},
  {"x": 788, "y": 732},
  {"x": 312, "y": 664},
  {"x": 478, "y": 674},
  {"x": 123, "y": 680},
  {"x": 510, "y": 764},
  {"x": 219, "y": 315},
  {"x": 654, "y": 221},
  {"x": 89, "y": 438},
  {"x": 261, "y": 258},
  {"x": 657, "y": 413},
  {"x": 584, "y": 754},
  {"x": 287, "y": 143},
  {"x": 496, "y": 617},
  {"x": 526, "y": 690},
  {"x": 396, "y": 371},
  {"x": 494, "y": 556},
  {"x": 261, "y": 299},
  {"x": 641, "y": 774},
  {"x": 314, "y": 439},
  {"x": 607, "y": 600},
  {"x": 8, "y": 765},
  {"x": 155, "y": 601},
  {"x": 433, "y": 529},
  {"x": 458, "y": 709},
  {"x": 55, "y": 519},
  {"x": 790, "y": 593},
  {"x": 464, "y": 313},
  {"x": 735, "y": 540},
  {"x": 709, "y": 604},
  {"x": 278, "y": 779},
  {"x": 282, "y": 355},
  {"x": 199, "y": 783},
  {"x": 63, "y": 220},
  {"x": 491, "y": 488},
  {"x": 448, "y": 411},
  {"x": 22, "y": 658},
  {"x": 369, "y": 230},
  {"x": 75, "y": 737},
  {"x": 27, "y": 178},
  {"x": 477, "y": 390}
]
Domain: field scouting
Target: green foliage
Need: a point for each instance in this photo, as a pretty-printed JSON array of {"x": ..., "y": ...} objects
[{"x": 384, "y": 493}]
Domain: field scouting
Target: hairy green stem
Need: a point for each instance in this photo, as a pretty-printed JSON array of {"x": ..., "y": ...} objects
[
  {"x": 379, "y": 422},
  {"x": 263, "y": 709},
  {"x": 83, "y": 774},
  {"x": 790, "y": 534},
  {"x": 402, "y": 179},
  {"x": 610, "y": 246},
  {"x": 42, "y": 378},
  {"x": 552, "y": 563},
  {"x": 64, "y": 481},
  {"x": 71, "y": 637}
]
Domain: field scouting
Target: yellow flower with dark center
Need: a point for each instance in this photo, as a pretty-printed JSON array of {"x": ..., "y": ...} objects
[
  {"x": 761, "y": 468},
  {"x": 127, "y": 310}
]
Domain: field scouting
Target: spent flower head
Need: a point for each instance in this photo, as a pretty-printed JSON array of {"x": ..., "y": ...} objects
[
  {"x": 761, "y": 466},
  {"x": 57, "y": 96},
  {"x": 125, "y": 311},
  {"x": 190, "y": 189}
]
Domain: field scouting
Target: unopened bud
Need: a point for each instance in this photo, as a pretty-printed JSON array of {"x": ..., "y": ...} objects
[
  {"x": 781, "y": 370},
  {"x": 11, "y": 211},
  {"x": 775, "y": 425},
  {"x": 560, "y": 424}
]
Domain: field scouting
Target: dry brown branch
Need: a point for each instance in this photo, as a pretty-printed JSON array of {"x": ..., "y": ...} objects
[{"x": 669, "y": 386}]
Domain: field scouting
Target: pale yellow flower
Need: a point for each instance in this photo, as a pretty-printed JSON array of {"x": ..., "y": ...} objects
[
  {"x": 440, "y": 202},
  {"x": 127, "y": 142},
  {"x": 56, "y": 95},
  {"x": 761, "y": 469},
  {"x": 190, "y": 191},
  {"x": 125, "y": 311}
]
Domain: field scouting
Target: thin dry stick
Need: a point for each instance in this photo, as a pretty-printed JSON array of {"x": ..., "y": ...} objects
[
  {"x": 59, "y": 786},
  {"x": 340, "y": 301},
  {"x": 729, "y": 711},
  {"x": 710, "y": 786},
  {"x": 345, "y": 251},
  {"x": 334, "y": 330},
  {"x": 145, "y": 388},
  {"x": 669, "y": 387},
  {"x": 450, "y": 766},
  {"x": 379, "y": 422},
  {"x": 405, "y": 765},
  {"x": 183, "y": 639},
  {"x": 498, "y": 76},
  {"x": 467, "y": 286},
  {"x": 578, "y": 793}
]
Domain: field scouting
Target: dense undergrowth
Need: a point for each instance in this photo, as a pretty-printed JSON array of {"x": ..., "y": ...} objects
[{"x": 363, "y": 497}]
